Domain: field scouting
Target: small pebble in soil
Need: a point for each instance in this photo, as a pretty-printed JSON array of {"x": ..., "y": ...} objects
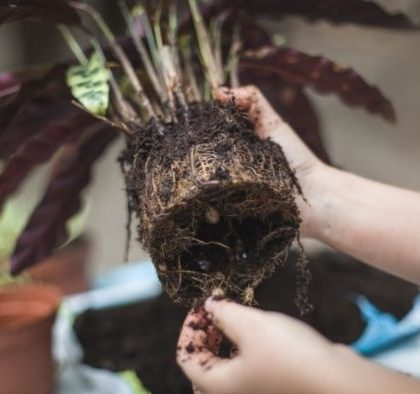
[
  {"x": 217, "y": 294},
  {"x": 212, "y": 215}
]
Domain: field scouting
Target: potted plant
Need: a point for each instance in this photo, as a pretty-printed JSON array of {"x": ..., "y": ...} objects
[
  {"x": 130, "y": 85},
  {"x": 27, "y": 312},
  {"x": 195, "y": 173}
]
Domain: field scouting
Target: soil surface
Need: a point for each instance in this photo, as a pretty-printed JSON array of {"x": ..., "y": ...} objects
[{"x": 143, "y": 336}]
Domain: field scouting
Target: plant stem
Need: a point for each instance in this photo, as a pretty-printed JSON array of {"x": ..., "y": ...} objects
[
  {"x": 156, "y": 26},
  {"x": 233, "y": 58},
  {"x": 141, "y": 49},
  {"x": 172, "y": 38},
  {"x": 192, "y": 89},
  {"x": 119, "y": 53},
  {"x": 73, "y": 44},
  {"x": 149, "y": 36},
  {"x": 155, "y": 51},
  {"x": 216, "y": 35},
  {"x": 124, "y": 109},
  {"x": 214, "y": 74}
]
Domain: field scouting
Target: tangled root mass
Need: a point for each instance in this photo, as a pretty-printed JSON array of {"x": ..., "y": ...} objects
[{"x": 215, "y": 204}]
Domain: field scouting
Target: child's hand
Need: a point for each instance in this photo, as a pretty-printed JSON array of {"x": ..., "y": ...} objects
[{"x": 276, "y": 354}]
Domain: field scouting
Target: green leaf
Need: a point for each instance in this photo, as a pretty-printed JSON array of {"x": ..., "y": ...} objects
[
  {"x": 89, "y": 84},
  {"x": 134, "y": 382}
]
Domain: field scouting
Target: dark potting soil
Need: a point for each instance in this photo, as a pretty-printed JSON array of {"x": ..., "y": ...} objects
[
  {"x": 220, "y": 199},
  {"x": 143, "y": 336}
]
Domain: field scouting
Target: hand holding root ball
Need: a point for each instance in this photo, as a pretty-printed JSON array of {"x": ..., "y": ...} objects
[
  {"x": 276, "y": 354},
  {"x": 269, "y": 125}
]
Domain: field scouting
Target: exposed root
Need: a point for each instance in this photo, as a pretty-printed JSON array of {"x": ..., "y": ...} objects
[{"x": 215, "y": 203}]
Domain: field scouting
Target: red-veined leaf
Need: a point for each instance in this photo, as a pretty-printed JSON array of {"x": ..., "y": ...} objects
[
  {"x": 39, "y": 149},
  {"x": 53, "y": 11},
  {"x": 321, "y": 74},
  {"x": 46, "y": 228}
]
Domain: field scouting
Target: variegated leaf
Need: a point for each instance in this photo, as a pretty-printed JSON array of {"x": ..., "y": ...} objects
[{"x": 89, "y": 84}]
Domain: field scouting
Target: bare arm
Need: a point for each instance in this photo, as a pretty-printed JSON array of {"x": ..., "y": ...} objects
[
  {"x": 357, "y": 375},
  {"x": 376, "y": 223}
]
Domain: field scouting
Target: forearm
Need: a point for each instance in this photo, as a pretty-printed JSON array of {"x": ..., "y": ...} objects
[
  {"x": 376, "y": 223},
  {"x": 352, "y": 374}
]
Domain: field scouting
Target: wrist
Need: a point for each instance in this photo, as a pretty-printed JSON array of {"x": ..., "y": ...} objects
[
  {"x": 317, "y": 190},
  {"x": 354, "y": 374},
  {"x": 343, "y": 369},
  {"x": 328, "y": 375}
]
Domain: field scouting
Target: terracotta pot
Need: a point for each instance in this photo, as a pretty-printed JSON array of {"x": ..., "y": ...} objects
[
  {"x": 67, "y": 268},
  {"x": 27, "y": 313}
]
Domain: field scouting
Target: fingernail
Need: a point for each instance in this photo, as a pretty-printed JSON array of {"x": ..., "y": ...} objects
[
  {"x": 211, "y": 301},
  {"x": 208, "y": 305}
]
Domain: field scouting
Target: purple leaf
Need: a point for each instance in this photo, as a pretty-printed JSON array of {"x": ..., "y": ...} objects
[
  {"x": 53, "y": 11},
  {"x": 46, "y": 228},
  {"x": 361, "y": 12},
  {"x": 9, "y": 83},
  {"x": 323, "y": 75},
  {"x": 34, "y": 119},
  {"x": 357, "y": 11},
  {"x": 290, "y": 102},
  {"x": 254, "y": 36},
  {"x": 297, "y": 110},
  {"x": 39, "y": 149},
  {"x": 30, "y": 101},
  {"x": 14, "y": 97}
]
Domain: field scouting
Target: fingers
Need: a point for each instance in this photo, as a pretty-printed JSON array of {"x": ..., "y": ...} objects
[
  {"x": 199, "y": 340},
  {"x": 236, "y": 321},
  {"x": 250, "y": 99},
  {"x": 242, "y": 97},
  {"x": 197, "y": 351}
]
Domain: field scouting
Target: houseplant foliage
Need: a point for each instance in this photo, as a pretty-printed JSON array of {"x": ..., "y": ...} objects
[{"x": 215, "y": 204}]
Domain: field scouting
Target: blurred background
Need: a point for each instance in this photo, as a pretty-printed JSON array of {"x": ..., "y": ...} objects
[{"x": 357, "y": 141}]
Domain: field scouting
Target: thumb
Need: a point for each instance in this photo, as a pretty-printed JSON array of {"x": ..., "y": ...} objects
[
  {"x": 236, "y": 321},
  {"x": 249, "y": 99},
  {"x": 197, "y": 351}
]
